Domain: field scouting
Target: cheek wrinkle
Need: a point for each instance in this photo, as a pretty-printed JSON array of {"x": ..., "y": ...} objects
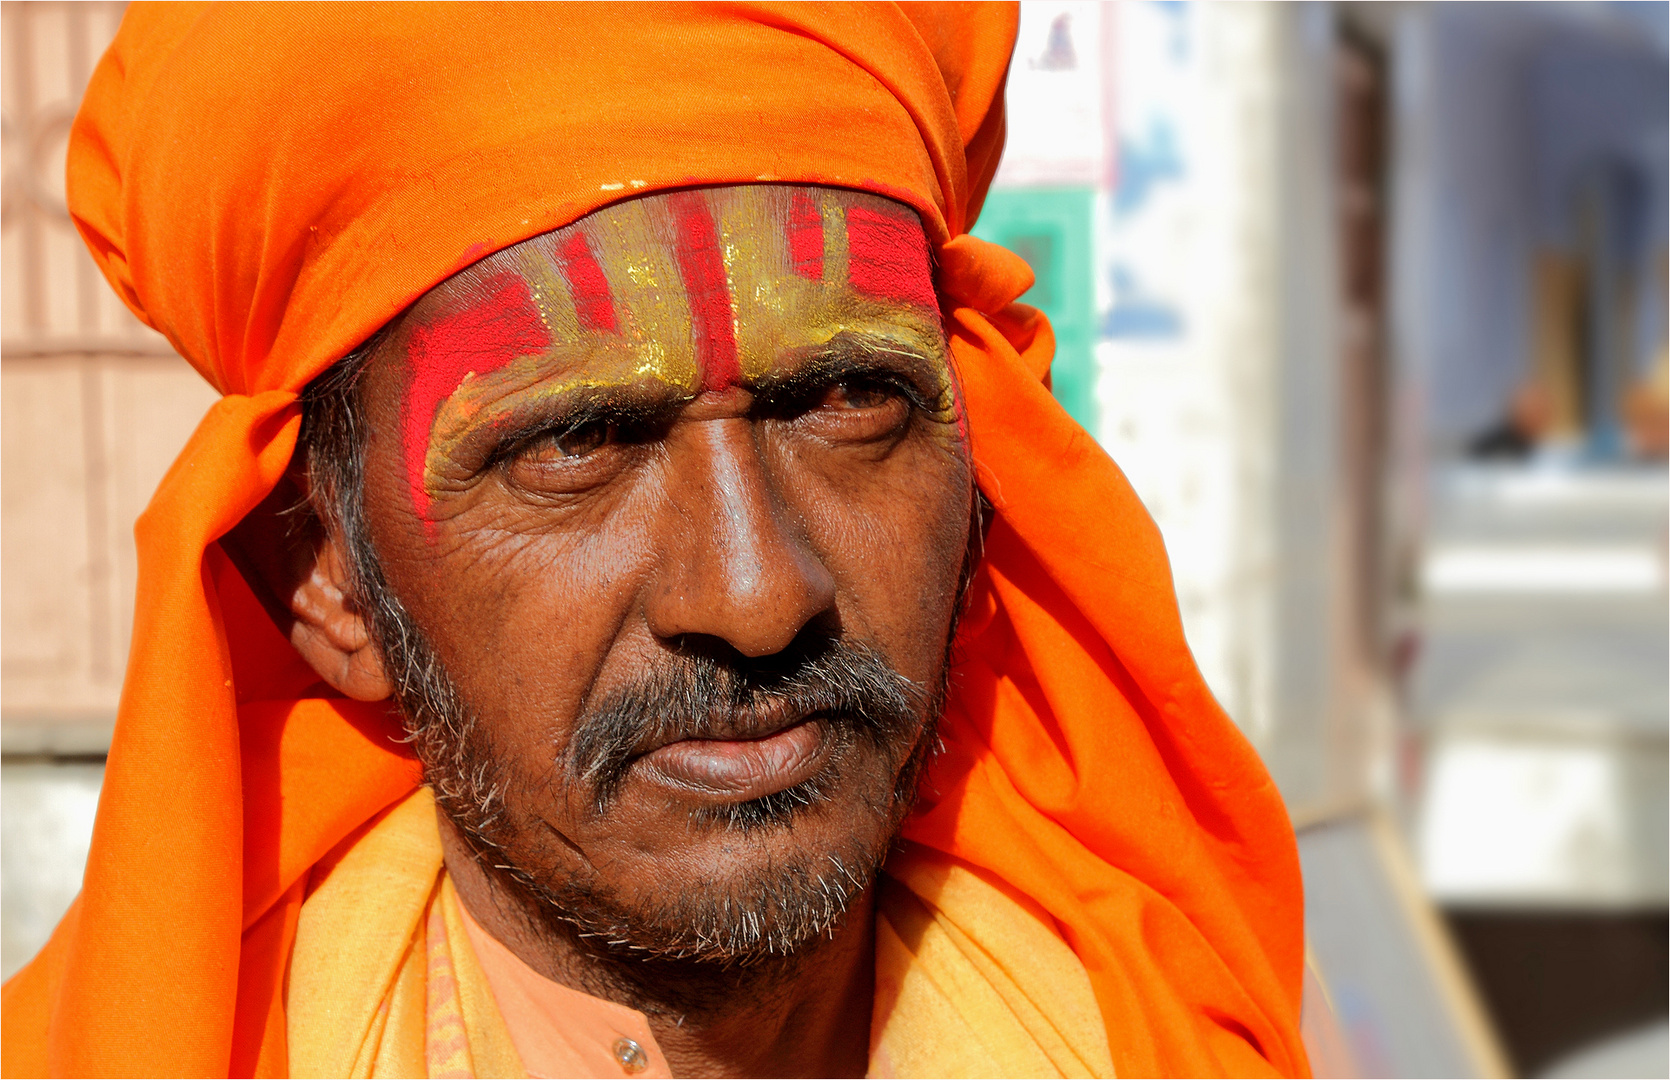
[
  {"x": 702, "y": 266},
  {"x": 502, "y": 326},
  {"x": 888, "y": 258}
]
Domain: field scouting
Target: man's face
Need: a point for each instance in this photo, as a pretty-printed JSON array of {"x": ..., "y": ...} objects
[{"x": 675, "y": 504}]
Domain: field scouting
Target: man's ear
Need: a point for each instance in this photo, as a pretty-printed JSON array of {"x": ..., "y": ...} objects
[{"x": 299, "y": 571}]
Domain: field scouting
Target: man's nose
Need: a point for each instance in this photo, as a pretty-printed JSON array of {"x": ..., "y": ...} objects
[{"x": 735, "y": 563}]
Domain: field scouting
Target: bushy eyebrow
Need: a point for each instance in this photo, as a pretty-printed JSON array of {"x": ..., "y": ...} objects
[
  {"x": 641, "y": 407},
  {"x": 849, "y": 355},
  {"x": 647, "y": 408}
]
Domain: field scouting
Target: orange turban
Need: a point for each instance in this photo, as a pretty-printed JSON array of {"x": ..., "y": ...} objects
[{"x": 269, "y": 184}]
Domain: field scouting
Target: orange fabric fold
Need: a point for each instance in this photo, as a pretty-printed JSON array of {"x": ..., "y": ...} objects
[{"x": 267, "y": 185}]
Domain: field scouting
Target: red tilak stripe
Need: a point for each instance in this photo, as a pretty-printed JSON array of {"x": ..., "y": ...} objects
[
  {"x": 888, "y": 257},
  {"x": 483, "y": 339},
  {"x": 805, "y": 231},
  {"x": 703, "y": 269},
  {"x": 594, "y": 305}
]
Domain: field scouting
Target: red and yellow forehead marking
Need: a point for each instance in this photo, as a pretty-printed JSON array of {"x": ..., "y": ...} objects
[{"x": 697, "y": 290}]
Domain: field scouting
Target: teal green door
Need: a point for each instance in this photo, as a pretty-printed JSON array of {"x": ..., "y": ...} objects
[{"x": 1052, "y": 229}]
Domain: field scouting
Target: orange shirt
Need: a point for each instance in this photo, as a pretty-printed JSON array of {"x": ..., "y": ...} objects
[{"x": 559, "y": 1031}]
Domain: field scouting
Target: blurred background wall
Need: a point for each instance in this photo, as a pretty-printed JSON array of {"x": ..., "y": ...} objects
[{"x": 1368, "y": 300}]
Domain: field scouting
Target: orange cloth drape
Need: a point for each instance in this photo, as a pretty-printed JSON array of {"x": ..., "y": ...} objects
[{"x": 268, "y": 184}]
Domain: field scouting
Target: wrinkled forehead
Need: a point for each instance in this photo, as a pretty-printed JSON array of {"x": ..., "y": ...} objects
[{"x": 701, "y": 286}]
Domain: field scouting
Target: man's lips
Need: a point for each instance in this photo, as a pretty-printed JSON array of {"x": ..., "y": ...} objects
[{"x": 738, "y": 770}]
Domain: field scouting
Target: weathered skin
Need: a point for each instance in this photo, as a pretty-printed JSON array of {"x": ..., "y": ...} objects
[
  {"x": 625, "y": 298},
  {"x": 632, "y": 437}
]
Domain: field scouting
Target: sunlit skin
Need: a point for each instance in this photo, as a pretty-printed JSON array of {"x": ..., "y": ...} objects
[
  {"x": 625, "y": 292},
  {"x": 618, "y": 441}
]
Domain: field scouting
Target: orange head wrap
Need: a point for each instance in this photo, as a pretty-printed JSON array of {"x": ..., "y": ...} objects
[{"x": 269, "y": 184}]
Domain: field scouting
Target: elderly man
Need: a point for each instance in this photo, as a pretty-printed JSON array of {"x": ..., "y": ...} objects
[{"x": 637, "y": 609}]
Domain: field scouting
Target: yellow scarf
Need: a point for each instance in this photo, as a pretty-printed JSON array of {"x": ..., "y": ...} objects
[{"x": 970, "y": 979}]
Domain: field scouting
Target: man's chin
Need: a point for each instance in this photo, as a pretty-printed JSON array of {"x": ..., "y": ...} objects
[
  {"x": 718, "y": 880},
  {"x": 660, "y": 869},
  {"x": 734, "y": 904}
]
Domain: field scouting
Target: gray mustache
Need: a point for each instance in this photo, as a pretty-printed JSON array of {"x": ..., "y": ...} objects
[{"x": 849, "y": 685}]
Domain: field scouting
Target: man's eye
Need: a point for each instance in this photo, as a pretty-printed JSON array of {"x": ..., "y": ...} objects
[
  {"x": 568, "y": 462},
  {"x": 856, "y": 410},
  {"x": 575, "y": 443},
  {"x": 858, "y": 394}
]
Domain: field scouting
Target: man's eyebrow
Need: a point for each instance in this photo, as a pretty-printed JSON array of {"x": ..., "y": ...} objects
[
  {"x": 652, "y": 406},
  {"x": 645, "y": 406},
  {"x": 847, "y": 355}
]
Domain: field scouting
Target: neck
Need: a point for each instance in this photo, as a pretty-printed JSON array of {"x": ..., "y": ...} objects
[{"x": 807, "y": 1014}]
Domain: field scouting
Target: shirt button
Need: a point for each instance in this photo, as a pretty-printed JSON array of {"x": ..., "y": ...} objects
[{"x": 631, "y": 1056}]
